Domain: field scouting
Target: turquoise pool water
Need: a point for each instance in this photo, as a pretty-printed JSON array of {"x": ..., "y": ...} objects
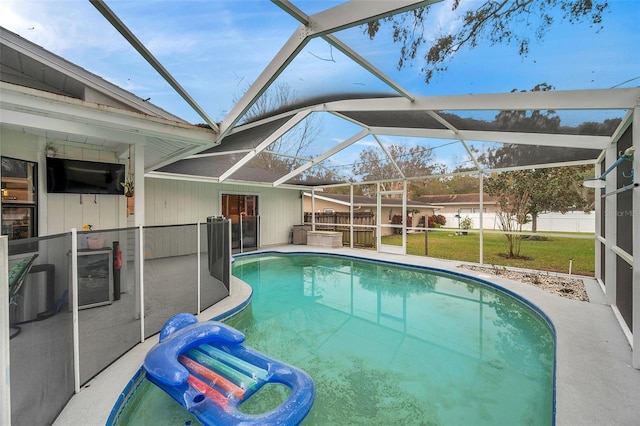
[{"x": 388, "y": 344}]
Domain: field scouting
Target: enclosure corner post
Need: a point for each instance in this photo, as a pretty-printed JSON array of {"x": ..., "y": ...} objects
[
  {"x": 74, "y": 297},
  {"x": 635, "y": 304},
  {"x": 5, "y": 379}
]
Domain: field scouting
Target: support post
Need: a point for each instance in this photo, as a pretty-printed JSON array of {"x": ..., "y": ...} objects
[
  {"x": 635, "y": 307},
  {"x": 426, "y": 239},
  {"x": 313, "y": 209},
  {"x": 199, "y": 263},
  {"x": 351, "y": 215},
  {"x": 74, "y": 297},
  {"x": 138, "y": 201},
  {"x": 610, "y": 209},
  {"x": 140, "y": 266},
  {"x": 481, "y": 218},
  {"x": 5, "y": 382}
]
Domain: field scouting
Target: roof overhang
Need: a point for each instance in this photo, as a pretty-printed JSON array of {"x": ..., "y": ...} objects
[{"x": 69, "y": 119}]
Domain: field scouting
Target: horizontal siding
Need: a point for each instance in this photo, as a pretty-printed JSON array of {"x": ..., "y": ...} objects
[
  {"x": 66, "y": 211},
  {"x": 58, "y": 213},
  {"x": 167, "y": 201},
  {"x": 170, "y": 202}
]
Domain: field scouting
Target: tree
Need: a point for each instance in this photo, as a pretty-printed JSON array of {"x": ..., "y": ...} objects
[
  {"x": 458, "y": 184},
  {"x": 557, "y": 189},
  {"x": 412, "y": 161},
  {"x": 290, "y": 150},
  {"x": 493, "y": 22},
  {"x": 550, "y": 189},
  {"x": 524, "y": 194},
  {"x": 514, "y": 194}
]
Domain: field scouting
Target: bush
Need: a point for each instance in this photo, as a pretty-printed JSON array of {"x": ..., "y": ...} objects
[
  {"x": 437, "y": 220},
  {"x": 466, "y": 223},
  {"x": 397, "y": 220}
]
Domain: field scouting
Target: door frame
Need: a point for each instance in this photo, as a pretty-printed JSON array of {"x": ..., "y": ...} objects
[{"x": 387, "y": 248}]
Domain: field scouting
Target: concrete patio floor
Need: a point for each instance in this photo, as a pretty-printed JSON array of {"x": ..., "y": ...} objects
[{"x": 595, "y": 382}]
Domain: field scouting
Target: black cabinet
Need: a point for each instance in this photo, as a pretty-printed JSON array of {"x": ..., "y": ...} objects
[{"x": 95, "y": 278}]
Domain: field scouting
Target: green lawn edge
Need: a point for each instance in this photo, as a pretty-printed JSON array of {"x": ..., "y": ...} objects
[{"x": 553, "y": 252}]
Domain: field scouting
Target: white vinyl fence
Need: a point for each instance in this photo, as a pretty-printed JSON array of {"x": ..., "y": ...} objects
[{"x": 577, "y": 221}]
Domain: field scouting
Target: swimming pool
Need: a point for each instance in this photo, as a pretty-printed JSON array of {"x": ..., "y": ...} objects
[{"x": 390, "y": 344}]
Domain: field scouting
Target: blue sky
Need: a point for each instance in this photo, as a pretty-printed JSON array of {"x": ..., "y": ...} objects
[{"x": 215, "y": 49}]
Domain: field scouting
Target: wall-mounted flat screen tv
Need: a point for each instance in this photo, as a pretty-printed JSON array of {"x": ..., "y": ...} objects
[{"x": 84, "y": 177}]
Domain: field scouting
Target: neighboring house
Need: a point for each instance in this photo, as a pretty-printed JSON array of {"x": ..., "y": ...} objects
[
  {"x": 391, "y": 207},
  {"x": 455, "y": 207},
  {"x": 461, "y": 203}
]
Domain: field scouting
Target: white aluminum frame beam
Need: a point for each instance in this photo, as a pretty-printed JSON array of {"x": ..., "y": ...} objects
[
  {"x": 304, "y": 19},
  {"x": 389, "y": 156},
  {"x": 289, "y": 50},
  {"x": 337, "y": 18},
  {"x": 148, "y": 56},
  {"x": 293, "y": 121},
  {"x": 353, "y": 13},
  {"x": 557, "y": 100},
  {"x": 350, "y": 53},
  {"x": 542, "y": 139},
  {"x": 353, "y": 139}
]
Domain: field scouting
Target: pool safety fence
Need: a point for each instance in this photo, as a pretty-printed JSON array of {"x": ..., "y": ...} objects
[{"x": 80, "y": 307}]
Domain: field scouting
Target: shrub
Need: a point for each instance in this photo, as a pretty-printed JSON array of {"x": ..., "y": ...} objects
[
  {"x": 466, "y": 223},
  {"x": 437, "y": 220},
  {"x": 397, "y": 220}
]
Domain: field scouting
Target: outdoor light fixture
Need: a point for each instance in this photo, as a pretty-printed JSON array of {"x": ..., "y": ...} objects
[{"x": 599, "y": 182}]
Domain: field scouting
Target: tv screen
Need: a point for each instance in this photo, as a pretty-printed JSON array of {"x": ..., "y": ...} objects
[{"x": 84, "y": 177}]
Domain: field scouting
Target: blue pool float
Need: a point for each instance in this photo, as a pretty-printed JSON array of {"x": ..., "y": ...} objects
[{"x": 206, "y": 369}]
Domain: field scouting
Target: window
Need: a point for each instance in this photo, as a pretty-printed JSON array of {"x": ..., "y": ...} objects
[{"x": 19, "y": 198}]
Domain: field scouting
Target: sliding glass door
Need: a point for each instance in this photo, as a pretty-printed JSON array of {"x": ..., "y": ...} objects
[{"x": 242, "y": 210}]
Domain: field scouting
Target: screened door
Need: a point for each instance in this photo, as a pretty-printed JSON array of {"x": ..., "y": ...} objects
[{"x": 392, "y": 231}]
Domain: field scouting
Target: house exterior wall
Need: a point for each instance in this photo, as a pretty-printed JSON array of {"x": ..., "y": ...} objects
[
  {"x": 320, "y": 205},
  {"x": 169, "y": 201},
  {"x": 469, "y": 207},
  {"x": 58, "y": 213}
]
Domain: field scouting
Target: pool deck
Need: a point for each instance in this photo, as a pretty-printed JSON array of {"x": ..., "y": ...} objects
[{"x": 595, "y": 382}]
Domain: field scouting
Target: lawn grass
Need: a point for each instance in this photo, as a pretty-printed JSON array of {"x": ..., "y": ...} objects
[{"x": 551, "y": 254}]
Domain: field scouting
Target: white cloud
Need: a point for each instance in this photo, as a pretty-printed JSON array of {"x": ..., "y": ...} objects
[{"x": 59, "y": 26}]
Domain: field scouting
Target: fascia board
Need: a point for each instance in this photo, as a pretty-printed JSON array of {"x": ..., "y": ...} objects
[
  {"x": 87, "y": 78},
  {"x": 42, "y": 104}
]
